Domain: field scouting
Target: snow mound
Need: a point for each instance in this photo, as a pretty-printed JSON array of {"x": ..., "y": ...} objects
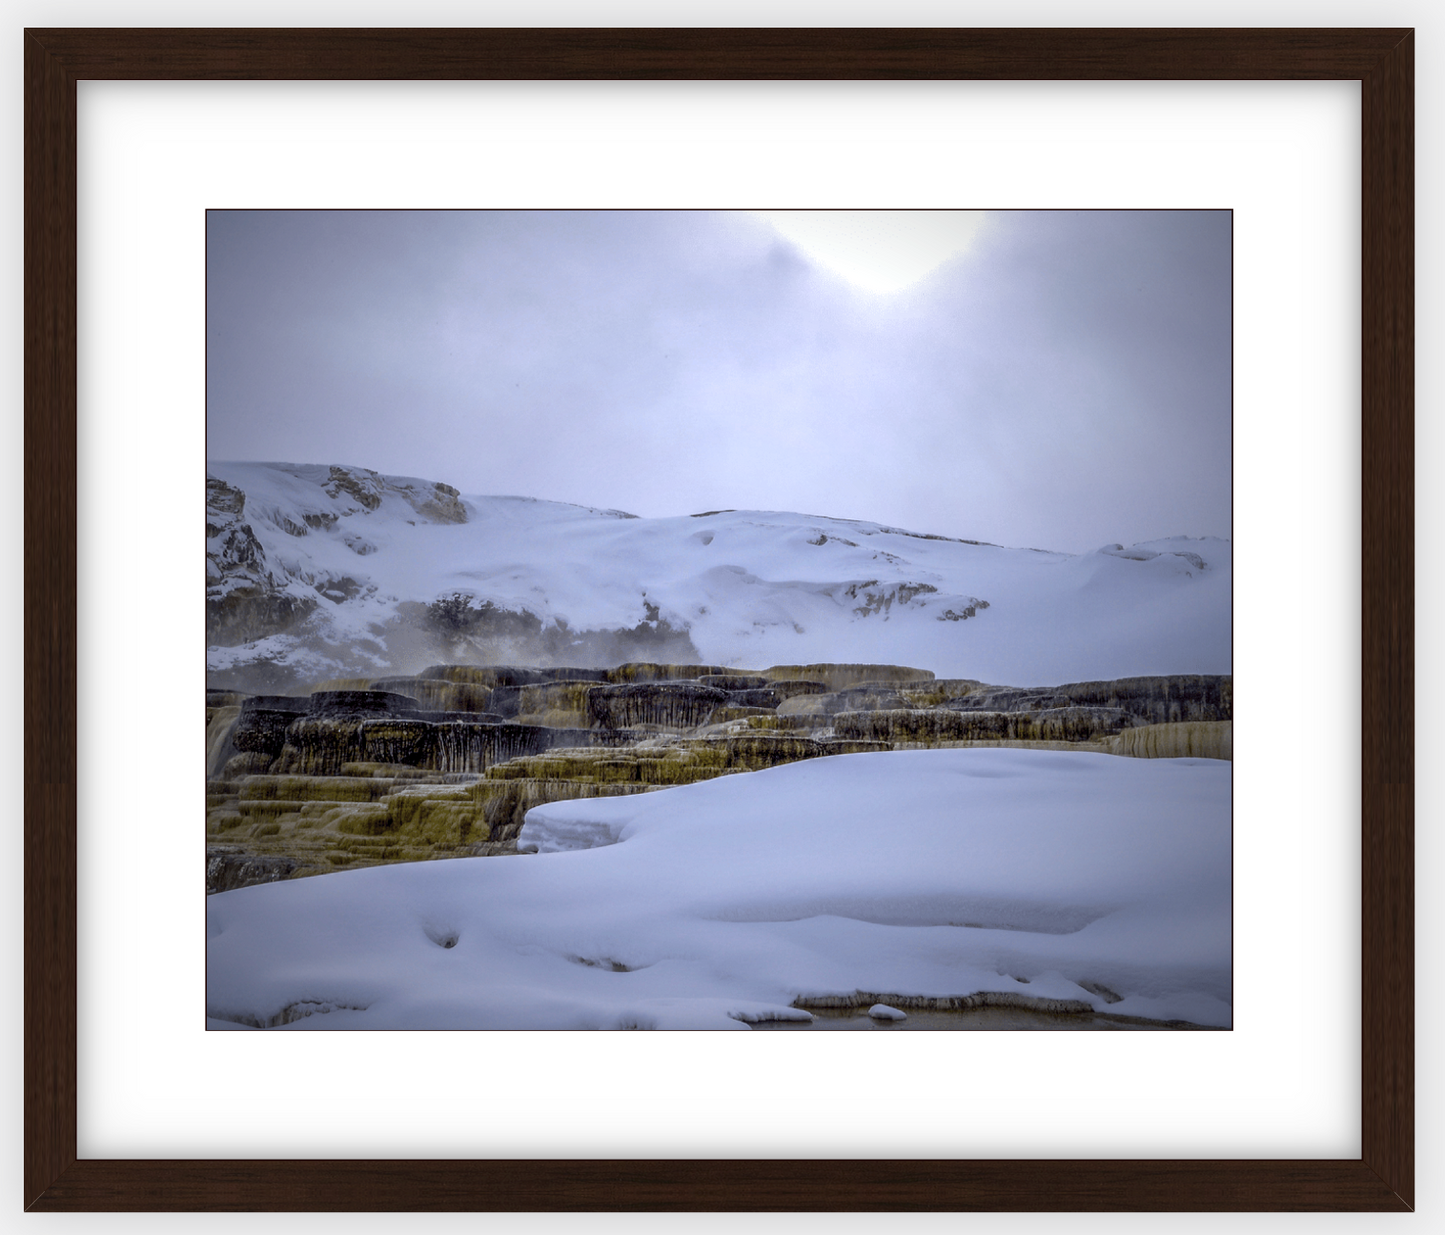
[{"x": 1056, "y": 876}]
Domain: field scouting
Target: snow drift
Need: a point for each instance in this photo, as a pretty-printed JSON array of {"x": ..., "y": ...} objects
[{"x": 1067, "y": 880}]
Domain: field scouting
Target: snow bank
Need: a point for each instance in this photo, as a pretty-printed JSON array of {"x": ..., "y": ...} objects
[
  {"x": 1055, "y": 876},
  {"x": 751, "y": 588}
]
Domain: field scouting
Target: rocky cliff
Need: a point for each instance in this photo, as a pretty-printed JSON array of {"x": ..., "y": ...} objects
[{"x": 251, "y": 595}]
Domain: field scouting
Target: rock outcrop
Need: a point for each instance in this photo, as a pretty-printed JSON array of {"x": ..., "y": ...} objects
[
  {"x": 1152, "y": 700},
  {"x": 246, "y": 598},
  {"x": 669, "y": 706},
  {"x": 447, "y": 763},
  {"x": 839, "y": 677},
  {"x": 1197, "y": 739},
  {"x": 940, "y": 726}
]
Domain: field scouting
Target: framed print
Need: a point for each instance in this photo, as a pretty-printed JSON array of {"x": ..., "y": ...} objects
[{"x": 71, "y": 1068}]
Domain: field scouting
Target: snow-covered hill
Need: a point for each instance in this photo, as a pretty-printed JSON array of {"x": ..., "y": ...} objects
[{"x": 322, "y": 571}]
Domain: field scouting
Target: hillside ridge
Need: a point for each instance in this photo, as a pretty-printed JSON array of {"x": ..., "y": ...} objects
[{"x": 323, "y": 571}]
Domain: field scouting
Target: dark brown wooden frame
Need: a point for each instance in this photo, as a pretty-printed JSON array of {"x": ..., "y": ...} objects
[{"x": 1381, "y": 60}]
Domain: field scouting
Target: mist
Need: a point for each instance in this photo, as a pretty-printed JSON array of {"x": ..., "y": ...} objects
[{"x": 1062, "y": 382}]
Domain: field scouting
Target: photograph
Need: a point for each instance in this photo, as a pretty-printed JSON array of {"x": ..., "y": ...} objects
[{"x": 780, "y": 620}]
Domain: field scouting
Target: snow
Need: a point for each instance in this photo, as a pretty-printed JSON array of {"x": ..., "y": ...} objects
[
  {"x": 753, "y": 588},
  {"x": 938, "y": 873},
  {"x": 882, "y": 1012},
  {"x": 935, "y": 874}
]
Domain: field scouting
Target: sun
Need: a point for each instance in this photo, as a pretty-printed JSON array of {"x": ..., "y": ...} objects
[{"x": 882, "y": 251}]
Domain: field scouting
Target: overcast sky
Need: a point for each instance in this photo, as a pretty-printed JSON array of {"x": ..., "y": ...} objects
[{"x": 1061, "y": 381}]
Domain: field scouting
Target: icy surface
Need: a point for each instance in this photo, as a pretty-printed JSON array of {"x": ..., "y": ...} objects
[
  {"x": 752, "y": 588},
  {"x": 1058, "y": 876}
]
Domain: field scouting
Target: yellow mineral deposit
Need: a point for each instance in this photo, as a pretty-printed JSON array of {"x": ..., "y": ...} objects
[
  {"x": 446, "y": 763},
  {"x": 1200, "y": 739}
]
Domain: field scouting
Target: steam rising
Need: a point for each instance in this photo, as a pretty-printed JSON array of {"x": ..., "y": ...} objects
[{"x": 1061, "y": 382}]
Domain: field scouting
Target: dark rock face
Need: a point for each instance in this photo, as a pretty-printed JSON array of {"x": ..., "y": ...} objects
[
  {"x": 787, "y": 688},
  {"x": 875, "y": 598},
  {"x": 732, "y": 681},
  {"x": 505, "y": 701},
  {"x": 237, "y": 547},
  {"x": 225, "y": 871},
  {"x": 223, "y": 502},
  {"x": 393, "y": 740},
  {"x": 842, "y": 676},
  {"x": 360, "y": 703},
  {"x": 1151, "y": 700},
  {"x": 266, "y": 720},
  {"x": 244, "y": 614},
  {"x": 261, "y": 727},
  {"x": 668, "y": 705},
  {"x": 366, "y": 487},
  {"x": 1009, "y": 699},
  {"x": 763, "y": 697},
  {"x": 866, "y": 698},
  {"x": 244, "y": 600},
  {"x": 442, "y": 505},
  {"x": 300, "y": 704},
  {"x": 646, "y": 671},
  {"x": 1161, "y": 700},
  {"x": 475, "y": 748},
  {"x": 320, "y": 746},
  {"x": 435, "y": 502},
  {"x": 249, "y": 598},
  {"x": 925, "y": 725},
  {"x": 1077, "y": 724}
]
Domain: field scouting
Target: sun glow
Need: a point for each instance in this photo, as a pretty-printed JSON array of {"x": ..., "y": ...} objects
[{"x": 882, "y": 251}]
